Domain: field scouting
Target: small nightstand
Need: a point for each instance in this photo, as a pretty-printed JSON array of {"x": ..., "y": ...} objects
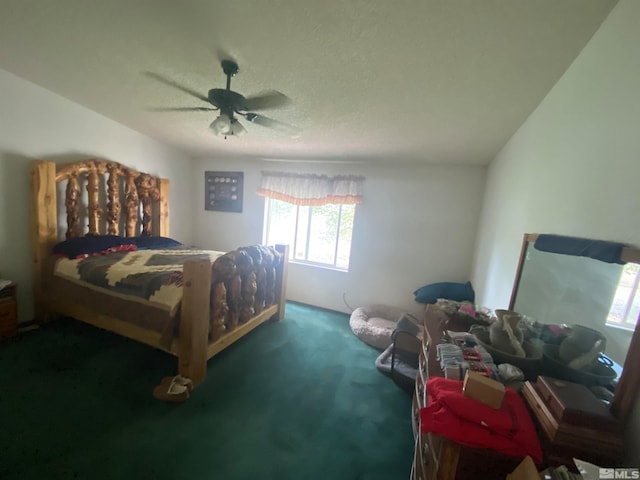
[{"x": 8, "y": 311}]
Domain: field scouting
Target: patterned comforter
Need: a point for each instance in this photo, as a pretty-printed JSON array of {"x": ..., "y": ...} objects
[{"x": 148, "y": 276}]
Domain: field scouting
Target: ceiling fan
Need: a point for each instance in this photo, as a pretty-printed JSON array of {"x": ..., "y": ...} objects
[{"x": 231, "y": 103}]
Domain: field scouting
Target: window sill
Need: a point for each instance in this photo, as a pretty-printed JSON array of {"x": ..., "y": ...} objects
[
  {"x": 629, "y": 329},
  {"x": 319, "y": 265}
]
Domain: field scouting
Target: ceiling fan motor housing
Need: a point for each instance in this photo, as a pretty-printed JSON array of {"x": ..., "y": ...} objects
[
  {"x": 229, "y": 67},
  {"x": 227, "y": 101}
]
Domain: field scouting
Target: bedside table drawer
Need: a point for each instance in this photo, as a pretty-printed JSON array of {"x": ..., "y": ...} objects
[{"x": 8, "y": 317}]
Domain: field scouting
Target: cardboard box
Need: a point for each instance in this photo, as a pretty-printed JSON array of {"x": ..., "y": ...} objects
[
  {"x": 526, "y": 470},
  {"x": 483, "y": 389}
]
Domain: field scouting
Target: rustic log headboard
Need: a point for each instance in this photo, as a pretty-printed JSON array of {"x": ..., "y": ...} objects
[
  {"x": 144, "y": 212},
  {"x": 140, "y": 190}
]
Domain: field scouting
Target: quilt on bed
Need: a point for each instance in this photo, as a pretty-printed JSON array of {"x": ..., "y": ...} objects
[{"x": 151, "y": 276}]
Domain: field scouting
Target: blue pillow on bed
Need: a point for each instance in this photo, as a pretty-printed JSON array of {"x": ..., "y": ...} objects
[
  {"x": 154, "y": 242},
  {"x": 96, "y": 244},
  {"x": 458, "y": 292},
  {"x": 91, "y": 244}
]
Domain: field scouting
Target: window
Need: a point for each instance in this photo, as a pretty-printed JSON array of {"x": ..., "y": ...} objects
[
  {"x": 318, "y": 235},
  {"x": 626, "y": 302},
  {"x": 313, "y": 214}
]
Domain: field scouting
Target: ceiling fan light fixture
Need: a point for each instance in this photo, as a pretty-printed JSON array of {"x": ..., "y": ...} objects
[
  {"x": 237, "y": 129},
  {"x": 221, "y": 125}
]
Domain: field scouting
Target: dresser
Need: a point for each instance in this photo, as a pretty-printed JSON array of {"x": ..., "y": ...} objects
[
  {"x": 437, "y": 457},
  {"x": 596, "y": 438},
  {"x": 8, "y": 311}
]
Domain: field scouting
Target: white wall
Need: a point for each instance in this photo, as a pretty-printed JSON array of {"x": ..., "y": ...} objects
[
  {"x": 37, "y": 124},
  {"x": 573, "y": 166},
  {"x": 416, "y": 226}
]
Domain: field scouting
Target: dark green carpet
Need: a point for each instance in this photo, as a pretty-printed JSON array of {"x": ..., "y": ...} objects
[{"x": 299, "y": 399}]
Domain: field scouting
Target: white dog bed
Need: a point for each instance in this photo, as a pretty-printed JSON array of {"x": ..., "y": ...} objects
[{"x": 373, "y": 325}]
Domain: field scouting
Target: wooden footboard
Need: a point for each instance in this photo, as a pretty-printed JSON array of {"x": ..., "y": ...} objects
[{"x": 225, "y": 301}]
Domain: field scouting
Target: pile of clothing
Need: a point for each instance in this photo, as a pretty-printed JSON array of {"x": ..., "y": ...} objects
[{"x": 508, "y": 430}]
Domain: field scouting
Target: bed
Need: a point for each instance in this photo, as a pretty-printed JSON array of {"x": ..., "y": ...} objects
[{"x": 217, "y": 297}]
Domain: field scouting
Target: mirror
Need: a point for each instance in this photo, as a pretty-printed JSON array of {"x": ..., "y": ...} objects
[{"x": 569, "y": 288}]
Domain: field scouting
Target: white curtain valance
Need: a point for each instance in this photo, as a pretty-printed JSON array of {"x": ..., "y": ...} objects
[{"x": 310, "y": 189}]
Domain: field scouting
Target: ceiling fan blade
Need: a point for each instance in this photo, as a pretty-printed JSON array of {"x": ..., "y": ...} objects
[
  {"x": 270, "y": 99},
  {"x": 271, "y": 123},
  {"x": 182, "y": 109},
  {"x": 173, "y": 84}
]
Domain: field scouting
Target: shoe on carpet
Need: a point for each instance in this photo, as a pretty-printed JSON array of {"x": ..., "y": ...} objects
[
  {"x": 171, "y": 392},
  {"x": 180, "y": 380}
]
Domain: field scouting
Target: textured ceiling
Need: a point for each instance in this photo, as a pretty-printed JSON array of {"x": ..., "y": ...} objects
[{"x": 439, "y": 81}]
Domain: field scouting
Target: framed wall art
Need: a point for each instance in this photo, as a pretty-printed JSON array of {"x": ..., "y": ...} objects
[{"x": 223, "y": 191}]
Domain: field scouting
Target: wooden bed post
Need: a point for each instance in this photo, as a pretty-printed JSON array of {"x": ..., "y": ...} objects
[
  {"x": 281, "y": 280},
  {"x": 194, "y": 321},
  {"x": 160, "y": 222},
  {"x": 44, "y": 226}
]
